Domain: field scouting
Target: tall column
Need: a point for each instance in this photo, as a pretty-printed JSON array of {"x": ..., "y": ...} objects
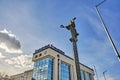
[
  {"x": 55, "y": 69},
  {"x": 76, "y": 59},
  {"x": 74, "y": 34}
]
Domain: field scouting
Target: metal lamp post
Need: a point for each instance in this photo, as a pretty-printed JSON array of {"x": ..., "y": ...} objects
[
  {"x": 96, "y": 73},
  {"x": 106, "y": 30},
  {"x": 74, "y": 34},
  {"x": 104, "y": 74}
]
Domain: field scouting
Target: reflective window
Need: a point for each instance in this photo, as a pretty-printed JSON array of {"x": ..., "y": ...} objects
[
  {"x": 88, "y": 76},
  {"x": 43, "y": 69},
  {"x": 82, "y": 74},
  {"x": 65, "y": 71}
]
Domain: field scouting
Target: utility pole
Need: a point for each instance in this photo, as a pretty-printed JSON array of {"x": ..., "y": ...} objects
[
  {"x": 74, "y": 34},
  {"x": 106, "y": 30},
  {"x": 104, "y": 74}
]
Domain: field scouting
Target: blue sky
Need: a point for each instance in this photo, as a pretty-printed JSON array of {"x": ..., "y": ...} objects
[{"x": 35, "y": 23}]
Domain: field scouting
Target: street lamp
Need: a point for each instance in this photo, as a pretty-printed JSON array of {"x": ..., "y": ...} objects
[
  {"x": 106, "y": 30},
  {"x": 74, "y": 34},
  {"x": 104, "y": 74},
  {"x": 96, "y": 73}
]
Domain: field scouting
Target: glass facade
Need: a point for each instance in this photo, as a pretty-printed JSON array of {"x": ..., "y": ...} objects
[
  {"x": 43, "y": 69},
  {"x": 88, "y": 76},
  {"x": 82, "y": 74},
  {"x": 65, "y": 71},
  {"x": 85, "y": 75}
]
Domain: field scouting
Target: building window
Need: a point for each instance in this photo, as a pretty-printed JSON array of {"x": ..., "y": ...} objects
[
  {"x": 43, "y": 69},
  {"x": 45, "y": 52},
  {"x": 88, "y": 76},
  {"x": 82, "y": 74},
  {"x": 65, "y": 71},
  {"x": 40, "y": 55},
  {"x": 36, "y": 56},
  {"x": 58, "y": 56}
]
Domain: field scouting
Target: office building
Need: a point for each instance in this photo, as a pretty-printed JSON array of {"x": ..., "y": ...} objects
[{"x": 50, "y": 63}]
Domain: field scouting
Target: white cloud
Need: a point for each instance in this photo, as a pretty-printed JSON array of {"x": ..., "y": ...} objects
[
  {"x": 1, "y": 56},
  {"x": 95, "y": 23},
  {"x": 21, "y": 61},
  {"x": 7, "y": 32},
  {"x": 9, "y": 42}
]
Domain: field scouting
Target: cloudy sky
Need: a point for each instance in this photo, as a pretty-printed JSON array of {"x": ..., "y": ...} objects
[{"x": 28, "y": 25}]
